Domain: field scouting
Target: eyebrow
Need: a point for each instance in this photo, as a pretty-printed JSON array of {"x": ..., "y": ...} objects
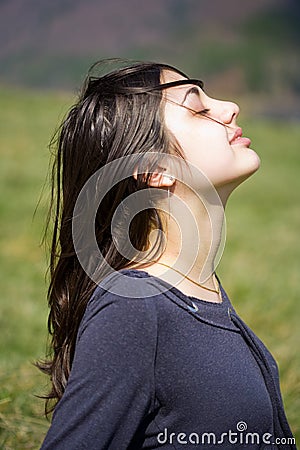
[
  {"x": 192, "y": 90},
  {"x": 192, "y": 81}
]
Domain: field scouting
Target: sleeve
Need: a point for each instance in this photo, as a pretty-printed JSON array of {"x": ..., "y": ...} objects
[{"x": 110, "y": 390}]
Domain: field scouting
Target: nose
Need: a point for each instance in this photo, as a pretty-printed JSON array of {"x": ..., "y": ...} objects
[{"x": 228, "y": 112}]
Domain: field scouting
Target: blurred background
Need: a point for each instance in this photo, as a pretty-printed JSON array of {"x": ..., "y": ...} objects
[{"x": 246, "y": 51}]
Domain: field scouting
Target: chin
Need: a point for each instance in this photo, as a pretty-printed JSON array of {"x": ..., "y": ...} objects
[
  {"x": 248, "y": 162},
  {"x": 253, "y": 161},
  {"x": 249, "y": 168}
]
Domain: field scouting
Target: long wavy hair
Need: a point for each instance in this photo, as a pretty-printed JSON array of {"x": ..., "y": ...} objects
[{"x": 117, "y": 114}]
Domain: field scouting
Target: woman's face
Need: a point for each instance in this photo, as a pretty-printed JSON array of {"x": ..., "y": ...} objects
[{"x": 217, "y": 149}]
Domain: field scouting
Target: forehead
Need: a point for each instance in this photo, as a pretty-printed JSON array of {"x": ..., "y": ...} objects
[
  {"x": 168, "y": 76},
  {"x": 177, "y": 93}
]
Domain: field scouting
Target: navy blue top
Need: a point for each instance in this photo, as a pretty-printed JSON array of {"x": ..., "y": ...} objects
[{"x": 168, "y": 371}]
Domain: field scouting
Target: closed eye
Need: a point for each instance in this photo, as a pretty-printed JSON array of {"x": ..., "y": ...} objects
[{"x": 202, "y": 112}]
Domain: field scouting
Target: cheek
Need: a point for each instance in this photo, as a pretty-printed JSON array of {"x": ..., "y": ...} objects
[
  {"x": 210, "y": 152},
  {"x": 205, "y": 144}
]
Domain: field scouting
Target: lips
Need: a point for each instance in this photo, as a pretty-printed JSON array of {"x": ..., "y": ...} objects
[{"x": 238, "y": 139}]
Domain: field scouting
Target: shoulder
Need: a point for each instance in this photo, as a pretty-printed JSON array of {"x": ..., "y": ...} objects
[{"x": 124, "y": 300}]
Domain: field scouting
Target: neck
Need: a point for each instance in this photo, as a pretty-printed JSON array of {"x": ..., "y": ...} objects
[{"x": 193, "y": 234}]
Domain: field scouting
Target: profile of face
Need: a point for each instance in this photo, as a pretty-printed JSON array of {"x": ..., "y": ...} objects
[{"x": 208, "y": 134}]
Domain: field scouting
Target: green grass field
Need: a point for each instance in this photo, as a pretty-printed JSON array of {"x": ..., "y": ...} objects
[{"x": 259, "y": 268}]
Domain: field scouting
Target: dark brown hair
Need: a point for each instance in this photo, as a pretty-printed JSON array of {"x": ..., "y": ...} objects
[{"x": 117, "y": 114}]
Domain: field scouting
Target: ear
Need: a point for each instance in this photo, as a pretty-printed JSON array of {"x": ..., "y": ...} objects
[{"x": 158, "y": 179}]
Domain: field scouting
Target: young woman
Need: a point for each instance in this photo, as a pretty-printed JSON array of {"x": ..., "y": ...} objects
[{"x": 147, "y": 350}]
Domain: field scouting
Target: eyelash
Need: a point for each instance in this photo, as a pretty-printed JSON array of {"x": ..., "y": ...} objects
[{"x": 202, "y": 112}]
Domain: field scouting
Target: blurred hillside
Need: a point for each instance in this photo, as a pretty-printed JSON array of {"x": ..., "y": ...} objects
[{"x": 235, "y": 46}]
